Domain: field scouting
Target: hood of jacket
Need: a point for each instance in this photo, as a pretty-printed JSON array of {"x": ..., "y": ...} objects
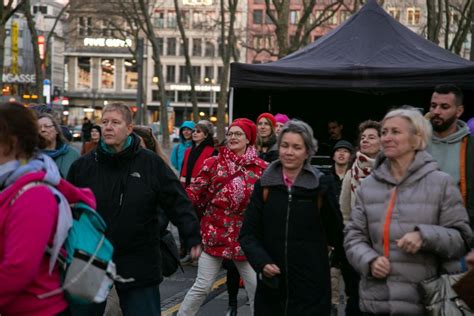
[
  {"x": 461, "y": 130},
  {"x": 186, "y": 124},
  {"x": 307, "y": 179},
  {"x": 422, "y": 164}
]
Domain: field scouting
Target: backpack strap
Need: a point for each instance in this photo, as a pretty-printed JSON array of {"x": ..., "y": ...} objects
[
  {"x": 469, "y": 177},
  {"x": 25, "y": 188}
]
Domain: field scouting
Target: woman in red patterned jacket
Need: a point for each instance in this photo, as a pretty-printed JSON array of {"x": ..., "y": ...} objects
[{"x": 222, "y": 190}]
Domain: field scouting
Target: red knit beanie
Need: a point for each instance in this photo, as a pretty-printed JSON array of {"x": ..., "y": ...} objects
[
  {"x": 249, "y": 128},
  {"x": 269, "y": 117}
]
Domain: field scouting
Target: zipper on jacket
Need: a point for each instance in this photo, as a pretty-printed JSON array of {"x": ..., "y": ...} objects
[
  {"x": 121, "y": 199},
  {"x": 286, "y": 250}
]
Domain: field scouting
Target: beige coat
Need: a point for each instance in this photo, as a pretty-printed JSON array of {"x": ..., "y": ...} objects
[{"x": 428, "y": 202}]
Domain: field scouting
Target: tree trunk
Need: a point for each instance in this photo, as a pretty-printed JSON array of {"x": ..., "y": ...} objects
[
  {"x": 433, "y": 24},
  {"x": 149, "y": 30},
  {"x": 39, "y": 63},
  {"x": 471, "y": 56},
  {"x": 3, "y": 35},
  {"x": 192, "y": 80}
]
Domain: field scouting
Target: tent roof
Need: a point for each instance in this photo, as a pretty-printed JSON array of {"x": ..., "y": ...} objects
[{"x": 370, "y": 50}]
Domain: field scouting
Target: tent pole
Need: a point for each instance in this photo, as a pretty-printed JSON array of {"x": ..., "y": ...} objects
[{"x": 231, "y": 105}]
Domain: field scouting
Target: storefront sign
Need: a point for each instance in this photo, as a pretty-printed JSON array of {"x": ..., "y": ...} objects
[
  {"x": 107, "y": 42},
  {"x": 21, "y": 78}
]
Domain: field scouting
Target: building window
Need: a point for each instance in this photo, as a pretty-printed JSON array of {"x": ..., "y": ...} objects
[
  {"x": 171, "y": 46},
  {"x": 131, "y": 74},
  {"x": 83, "y": 73},
  {"x": 183, "y": 74},
  {"x": 198, "y": 20},
  {"x": 181, "y": 47},
  {"x": 294, "y": 17},
  {"x": 170, "y": 73},
  {"x": 171, "y": 19},
  {"x": 413, "y": 16},
  {"x": 197, "y": 73},
  {"x": 159, "y": 20},
  {"x": 258, "y": 1},
  {"x": 160, "y": 45},
  {"x": 210, "y": 49},
  {"x": 209, "y": 73},
  {"x": 257, "y": 16},
  {"x": 268, "y": 20},
  {"x": 197, "y": 47},
  {"x": 41, "y": 9},
  {"x": 107, "y": 73},
  {"x": 107, "y": 28},
  {"x": 85, "y": 26},
  {"x": 395, "y": 13}
]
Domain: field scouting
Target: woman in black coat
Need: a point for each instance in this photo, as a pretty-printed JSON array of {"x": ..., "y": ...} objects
[{"x": 292, "y": 218}]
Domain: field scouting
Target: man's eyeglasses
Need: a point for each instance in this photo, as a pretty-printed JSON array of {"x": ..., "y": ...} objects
[{"x": 236, "y": 134}]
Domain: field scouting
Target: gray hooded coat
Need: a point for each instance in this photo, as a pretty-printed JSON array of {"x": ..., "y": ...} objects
[{"x": 427, "y": 201}]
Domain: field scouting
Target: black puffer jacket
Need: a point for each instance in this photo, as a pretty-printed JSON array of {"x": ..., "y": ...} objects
[
  {"x": 290, "y": 231},
  {"x": 129, "y": 186}
]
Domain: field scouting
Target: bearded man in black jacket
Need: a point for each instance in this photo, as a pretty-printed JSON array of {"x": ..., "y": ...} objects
[{"x": 129, "y": 183}]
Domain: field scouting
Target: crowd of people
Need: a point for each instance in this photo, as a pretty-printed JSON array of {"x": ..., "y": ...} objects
[{"x": 396, "y": 208}]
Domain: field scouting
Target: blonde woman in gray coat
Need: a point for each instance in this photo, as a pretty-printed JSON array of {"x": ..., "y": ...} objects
[{"x": 408, "y": 219}]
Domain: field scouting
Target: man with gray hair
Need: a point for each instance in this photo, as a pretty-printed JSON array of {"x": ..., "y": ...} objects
[{"x": 129, "y": 183}]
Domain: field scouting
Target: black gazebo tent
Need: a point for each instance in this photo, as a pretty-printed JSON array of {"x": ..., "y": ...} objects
[{"x": 355, "y": 72}]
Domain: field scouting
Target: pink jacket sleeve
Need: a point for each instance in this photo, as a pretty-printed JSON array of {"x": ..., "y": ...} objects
[{"x": 27, "y": 230}]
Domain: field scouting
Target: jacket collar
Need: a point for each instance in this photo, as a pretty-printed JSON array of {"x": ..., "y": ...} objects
[
  {"x": 422, "y": 164},
  {"x": 307, "y": 179}
]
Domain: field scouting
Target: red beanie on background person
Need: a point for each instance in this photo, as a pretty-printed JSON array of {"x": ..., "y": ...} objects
[
  {"x": 249, "y": 128},
  {"x": 269, "y": 117}
]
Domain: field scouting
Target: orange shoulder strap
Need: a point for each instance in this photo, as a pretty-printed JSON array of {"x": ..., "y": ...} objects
[
  {"x": 386, "y": 226},
  {"x": 462, "y": 170}
]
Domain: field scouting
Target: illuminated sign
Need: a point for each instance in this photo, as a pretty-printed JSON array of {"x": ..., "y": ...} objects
[
  {"x": 21, "y": 78},
  {"x": 15, "y": 47},
  {"x": 197, "y": 2},
  {"x": 107, "y": 42},
  {"x": 41, "y": 46}
]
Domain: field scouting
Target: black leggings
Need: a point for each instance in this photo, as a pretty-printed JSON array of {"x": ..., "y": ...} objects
[{"x": 233, "y": 280}]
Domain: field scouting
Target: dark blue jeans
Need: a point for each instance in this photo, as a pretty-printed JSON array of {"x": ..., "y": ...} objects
[{"x": 138, "y": 301}]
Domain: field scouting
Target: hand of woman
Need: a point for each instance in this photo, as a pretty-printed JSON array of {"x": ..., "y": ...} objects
[
  {"x": 196, "y": 252},
  {"x": 470, "y": 260},
  {"x": 270, "y": 270},
  {"x": 410, "y": 242},
  {"x": 380, "y": 267}
]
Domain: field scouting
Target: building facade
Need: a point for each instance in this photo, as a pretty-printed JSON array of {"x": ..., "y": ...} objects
[
  {"x": 201, "y": 19},
  {"x": 100, "y": 66},
  {"x": 19, "y": 77},
  {"x": 261, "y": 37}
]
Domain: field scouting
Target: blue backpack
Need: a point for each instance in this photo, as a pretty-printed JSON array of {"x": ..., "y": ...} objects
[{"x": 88, "y": 271}]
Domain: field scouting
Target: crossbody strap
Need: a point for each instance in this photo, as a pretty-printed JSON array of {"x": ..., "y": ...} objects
[{"x": 386, "y": 225}]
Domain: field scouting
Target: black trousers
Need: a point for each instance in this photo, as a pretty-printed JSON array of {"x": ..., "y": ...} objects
[{"x": 233, "y": 281}]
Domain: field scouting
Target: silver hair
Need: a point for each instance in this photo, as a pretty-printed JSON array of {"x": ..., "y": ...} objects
[{"x": 306, "y": 132}]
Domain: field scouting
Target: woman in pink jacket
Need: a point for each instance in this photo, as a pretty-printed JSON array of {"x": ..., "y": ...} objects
[{"x": 29, "y": 218}]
